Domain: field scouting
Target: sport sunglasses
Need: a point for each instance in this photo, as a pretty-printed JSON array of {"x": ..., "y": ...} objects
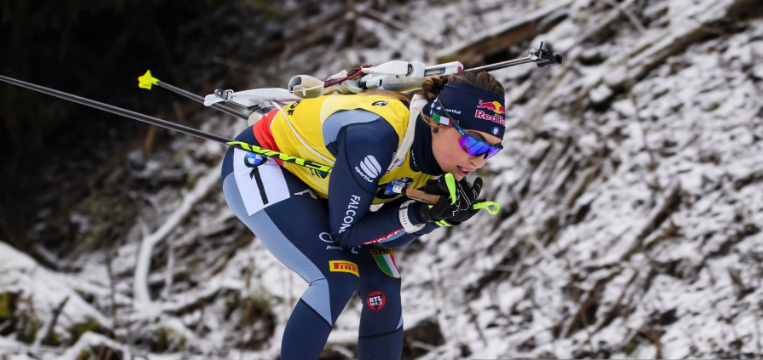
[{"x": 473, "y": 145}]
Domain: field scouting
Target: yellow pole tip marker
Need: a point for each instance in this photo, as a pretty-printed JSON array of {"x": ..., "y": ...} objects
[{"x": 147, "y": 80}]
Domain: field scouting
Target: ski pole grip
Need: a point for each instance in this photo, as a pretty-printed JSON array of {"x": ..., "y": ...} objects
[
  {"x": 421, "y": 196},
  {"x": 487, "y": 205},
  {"x": 430, "y": 199}
]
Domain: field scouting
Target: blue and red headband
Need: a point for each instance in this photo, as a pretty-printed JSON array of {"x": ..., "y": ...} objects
[{"x": 473, "y": 107}]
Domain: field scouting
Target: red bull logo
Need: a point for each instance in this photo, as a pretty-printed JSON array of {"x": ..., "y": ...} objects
[
  {"x": 498, "y": 119},
  {"x": 494, "y": 106}
]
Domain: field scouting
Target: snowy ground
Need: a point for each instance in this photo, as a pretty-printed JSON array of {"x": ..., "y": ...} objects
[{"x": 630, "y": 224}]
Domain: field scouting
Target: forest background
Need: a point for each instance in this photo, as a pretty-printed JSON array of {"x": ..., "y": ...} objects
[{"x": 630, "y": 187}]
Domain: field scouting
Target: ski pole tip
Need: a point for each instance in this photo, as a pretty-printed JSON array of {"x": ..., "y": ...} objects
[{"x": 147, "y": 80}]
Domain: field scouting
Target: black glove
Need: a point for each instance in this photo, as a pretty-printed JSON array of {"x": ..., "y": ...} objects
[
  {"x": 462, "y": 216},
  {"x": 472, "y": 192},
  {"x": 455, "y": 198},
  {"x": 449, "y": 203}
]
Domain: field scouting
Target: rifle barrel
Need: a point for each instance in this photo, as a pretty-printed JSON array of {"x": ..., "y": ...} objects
[{"x": 503, "y": 64}]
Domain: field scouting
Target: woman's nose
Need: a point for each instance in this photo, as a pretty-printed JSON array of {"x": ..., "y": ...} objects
[{"x": 478, "y": 161}]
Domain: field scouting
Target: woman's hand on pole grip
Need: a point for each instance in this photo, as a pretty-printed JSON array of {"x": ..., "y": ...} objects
[
  {"x": 455, "y": 198},
  {"x": 472, "y": 192}
]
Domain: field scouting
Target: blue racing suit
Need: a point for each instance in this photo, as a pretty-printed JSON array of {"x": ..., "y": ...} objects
[{"x": 339, "y": 247}]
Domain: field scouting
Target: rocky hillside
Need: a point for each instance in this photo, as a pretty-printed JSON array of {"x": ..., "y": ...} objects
[{"x": 630, "y": 196}]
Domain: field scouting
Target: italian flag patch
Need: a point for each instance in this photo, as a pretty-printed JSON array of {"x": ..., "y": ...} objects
[{"x": 386, "y": 262}]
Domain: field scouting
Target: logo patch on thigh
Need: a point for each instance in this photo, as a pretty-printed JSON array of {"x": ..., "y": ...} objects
[
  {"x": 344, "y": 266},
  {"x": 386, "y": 262},
  {"x": 261, "y": 183},
  {"x": 376, "y": 300}
]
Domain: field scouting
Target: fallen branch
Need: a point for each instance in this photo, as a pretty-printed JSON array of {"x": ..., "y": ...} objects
[
  {"x": 682, "y": 35},
  {"x": 5, "y": 324},
  {"x": 579, "y": 319},
  {"x": 89, "y": 340},
  {"x": 662, "y": 211},
  {"x": 47, "y": 334},
  {"x": 500, "y": 38},
  {"x": 373, "y": 14},
  {"x": 611, "y": 312},
  {"x": 581, "y": 184},
  {"x": 10, "y": 348},
  {"x": 629, "y": 14},
  {"x": 168, "y": 272},
  {"x": 191, "y": 301},
  {"x": 603, "y": 22},
  {"x": 203, "y": 185}
]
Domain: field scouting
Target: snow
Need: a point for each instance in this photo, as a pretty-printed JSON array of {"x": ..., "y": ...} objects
[
  {"x": 144, "y": 257},
  {"x": 649, "y": 206}
]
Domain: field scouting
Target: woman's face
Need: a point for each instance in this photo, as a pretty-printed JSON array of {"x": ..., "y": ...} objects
[{"x": 451, "y": 157}]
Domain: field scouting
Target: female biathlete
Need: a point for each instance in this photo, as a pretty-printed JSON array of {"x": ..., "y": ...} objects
[{"x": 335, "y": 242}]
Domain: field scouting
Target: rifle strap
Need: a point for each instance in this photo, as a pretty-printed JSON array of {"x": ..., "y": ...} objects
[{"x": 415, "y": 107}]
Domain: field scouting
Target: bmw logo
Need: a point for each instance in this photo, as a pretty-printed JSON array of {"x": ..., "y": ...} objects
[{"x": 254, "y": 160}]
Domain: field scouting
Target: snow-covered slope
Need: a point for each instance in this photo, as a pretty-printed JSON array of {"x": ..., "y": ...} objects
[{"x": 630, "y": 193}]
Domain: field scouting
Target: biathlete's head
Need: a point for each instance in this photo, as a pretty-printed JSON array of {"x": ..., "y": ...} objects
[{"x": 466, "y": 115}]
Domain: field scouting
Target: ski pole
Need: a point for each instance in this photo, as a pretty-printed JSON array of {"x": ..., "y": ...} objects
[
  {"x": 147, "y": 80},
  {"x": 415, "y": 194},
  {"x": 115, "y": 110}
]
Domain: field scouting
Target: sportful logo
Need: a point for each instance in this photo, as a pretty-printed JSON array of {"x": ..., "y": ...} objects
[
  {"x": 369, "y": 168},
  {"x": 379, "y": 103},
  {"x": 343, "y": 266}
]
